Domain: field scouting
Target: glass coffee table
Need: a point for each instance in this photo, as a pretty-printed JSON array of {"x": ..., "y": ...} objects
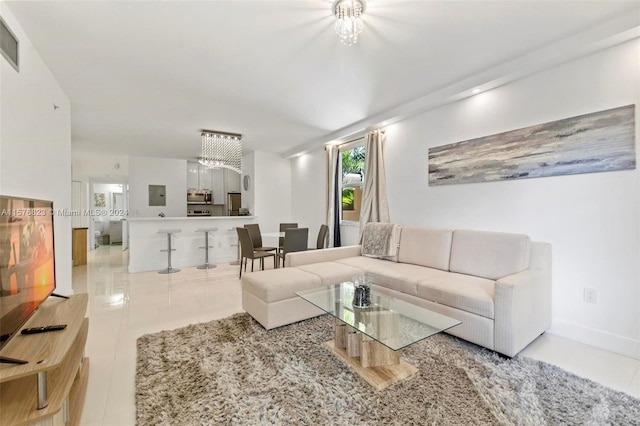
[{"x": 368, "y": 339}]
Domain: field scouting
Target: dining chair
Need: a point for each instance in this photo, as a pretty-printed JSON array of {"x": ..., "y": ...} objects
[
  {"x": 247, "y": 251},
  {"x": 283, "y": 228},
  {"x": 256, "y": 237},
  {"x": 295, "y": 239},
  {"x": 322, "y": 237}
]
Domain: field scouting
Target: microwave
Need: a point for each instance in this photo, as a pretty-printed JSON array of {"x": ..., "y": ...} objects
[{"x": 199, "y": 197}]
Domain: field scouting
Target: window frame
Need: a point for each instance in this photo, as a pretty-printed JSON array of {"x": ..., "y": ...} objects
[
  {"x": 16, "y": 64},
  {"x": 348, "y": 147}
]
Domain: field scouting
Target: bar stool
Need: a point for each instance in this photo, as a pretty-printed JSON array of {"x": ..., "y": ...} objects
[
  {"x": 206, "y": 248},
  {"x": 169, "y": 232}
]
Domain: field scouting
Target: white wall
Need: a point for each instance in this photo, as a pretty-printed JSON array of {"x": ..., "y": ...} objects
[
  {"x": 310, "y": 172},
  {"x": 145, "y": 171},
  {"x": 272, "y": 195},
  {"x": 99, "y": 166},
  {"x": 35, "y": 141},
  {"x": 248, "y": 169},
  {"x": 592, "y": 220}
]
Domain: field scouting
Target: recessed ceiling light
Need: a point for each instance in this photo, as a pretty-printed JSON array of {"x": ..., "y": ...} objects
[{"x": 475, "y": 91}]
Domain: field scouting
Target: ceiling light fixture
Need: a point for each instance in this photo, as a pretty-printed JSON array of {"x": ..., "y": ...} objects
[
  {"x": 221, "y": 150},
  {"x": 348, "y": 15},
  {"x": 475, "y": 91}
]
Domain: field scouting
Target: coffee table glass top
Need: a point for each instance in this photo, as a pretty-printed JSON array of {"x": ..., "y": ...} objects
[{"x": 393, "y": 322}]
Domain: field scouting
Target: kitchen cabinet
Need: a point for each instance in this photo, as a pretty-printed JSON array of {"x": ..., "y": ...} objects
[
  {"x": 204, "y": 178},
  {"x": 232, "y": 181},
  {"x": 193, "y": 176},
  {"x": 217, "y": 186},
  {"x": 79, "y": 246},
  {"x": 217, "y": 181},
  {"x": 199, "y": 177}
]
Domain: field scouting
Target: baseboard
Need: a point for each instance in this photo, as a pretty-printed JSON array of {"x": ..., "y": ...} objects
[{"x": 598, "y": 338}]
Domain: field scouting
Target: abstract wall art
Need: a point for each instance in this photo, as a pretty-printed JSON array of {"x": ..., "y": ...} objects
[
  {"x": 598, "y": 142},
  {"x": 99, "y": 199}
]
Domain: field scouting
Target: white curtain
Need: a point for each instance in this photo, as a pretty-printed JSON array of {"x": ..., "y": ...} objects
[
  {"x": 333, "y": 210},
  {"x": 375, "y": 207}
]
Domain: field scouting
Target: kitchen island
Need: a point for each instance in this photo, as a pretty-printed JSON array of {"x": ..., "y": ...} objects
[{"x": 145, "y": 242}]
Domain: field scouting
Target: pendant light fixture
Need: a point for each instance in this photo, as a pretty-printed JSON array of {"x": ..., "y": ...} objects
[
  {"x": 221, "y": 150},
  {"x": 348, "y": 15}
]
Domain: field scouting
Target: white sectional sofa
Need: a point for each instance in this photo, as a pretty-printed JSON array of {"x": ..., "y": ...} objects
[{"x": 497, "y": 284}]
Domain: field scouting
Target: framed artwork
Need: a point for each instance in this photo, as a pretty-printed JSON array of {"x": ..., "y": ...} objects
[
  {"x": 598, "y": 142},
  {"x": 99, "y": 199}
]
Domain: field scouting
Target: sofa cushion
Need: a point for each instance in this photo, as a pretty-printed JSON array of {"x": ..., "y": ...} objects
[
  {"x": 364, "y": 263},
  {"x": 402, "y": 277},
  {"x": 279, "y": 284},
  {"x": 425, "y": 247},
  {"x": 490, "y": 255},
  {"x": 465, "y": 292},
  {"x": 331, "y": 272},
  {"x": 325, "y": 255}
]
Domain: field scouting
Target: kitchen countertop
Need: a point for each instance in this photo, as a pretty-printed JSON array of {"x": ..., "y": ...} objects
[
  {"x": 141, "y": 219},
  {"x": 147, "y": 248}
]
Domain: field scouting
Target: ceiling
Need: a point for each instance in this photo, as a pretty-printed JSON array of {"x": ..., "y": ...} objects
[{"x": 145, "y": 77}]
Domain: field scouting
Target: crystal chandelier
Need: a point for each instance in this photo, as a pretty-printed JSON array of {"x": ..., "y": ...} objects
[
  {"x": 221, "y": 150},
  {"x": 348, "y": 15}
]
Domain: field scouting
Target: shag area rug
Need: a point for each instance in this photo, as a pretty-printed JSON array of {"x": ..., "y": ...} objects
[{"x": 233, "y": 372}]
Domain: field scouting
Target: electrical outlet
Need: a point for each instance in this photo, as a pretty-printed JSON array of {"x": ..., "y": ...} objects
[{"x": 590, "y": 295}]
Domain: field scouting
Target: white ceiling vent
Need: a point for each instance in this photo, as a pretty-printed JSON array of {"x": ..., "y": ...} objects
[{"x": 9, "y": 45}]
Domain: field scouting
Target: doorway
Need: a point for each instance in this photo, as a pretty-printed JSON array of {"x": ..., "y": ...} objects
[{"x": 109, "y": 214}]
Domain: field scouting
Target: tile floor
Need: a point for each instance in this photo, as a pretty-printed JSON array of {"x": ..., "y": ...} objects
[{"x": 123, "y": 307}]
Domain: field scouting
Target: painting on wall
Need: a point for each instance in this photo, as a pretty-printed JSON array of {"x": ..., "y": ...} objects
[
  {"x": 598, "y": 142},
  {"x": 99, "y": 199}
]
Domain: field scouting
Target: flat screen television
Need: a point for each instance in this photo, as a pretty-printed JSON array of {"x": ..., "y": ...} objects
[{"x": 27, "y": 261}]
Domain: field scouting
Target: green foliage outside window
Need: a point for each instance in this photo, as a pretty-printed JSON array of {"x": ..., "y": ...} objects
[
  {"x": 352, "y": 164},
  {"x": 347, "y": 198},
  {"x": 353, "y": 161}
]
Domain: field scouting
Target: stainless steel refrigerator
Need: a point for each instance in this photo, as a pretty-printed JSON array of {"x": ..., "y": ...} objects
[{"x": 234, "y": 202}]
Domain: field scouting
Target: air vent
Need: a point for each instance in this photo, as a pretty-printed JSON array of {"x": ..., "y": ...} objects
[{"x": 9, "y": 45}]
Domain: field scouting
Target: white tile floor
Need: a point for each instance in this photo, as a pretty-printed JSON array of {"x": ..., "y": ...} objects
[{"x": 123, "y": 307}]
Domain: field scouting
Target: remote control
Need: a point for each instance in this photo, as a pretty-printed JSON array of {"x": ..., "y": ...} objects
[{"x": 34, "y": 330}]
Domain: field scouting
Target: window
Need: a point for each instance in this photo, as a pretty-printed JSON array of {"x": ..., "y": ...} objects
[
  {"x": 9, "y": 45},
  {"x": 352, "y": 170}
]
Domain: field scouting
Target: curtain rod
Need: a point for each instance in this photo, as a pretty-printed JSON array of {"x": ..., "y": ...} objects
[
  {"x": 351, "y": 141},
  {"x": 357, "y": 139}
]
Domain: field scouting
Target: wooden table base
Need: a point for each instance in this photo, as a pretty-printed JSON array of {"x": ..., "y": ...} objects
[
  {"x": 380, "y": 377},
  {"x": 374, "y": 362}
]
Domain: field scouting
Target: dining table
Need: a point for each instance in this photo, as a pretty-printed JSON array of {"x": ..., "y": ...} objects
[{"x": 272, "y": 234}]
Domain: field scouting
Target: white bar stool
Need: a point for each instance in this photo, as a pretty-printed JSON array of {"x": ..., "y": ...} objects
[
  {"x": 169, "y": 232},
  {"x": 206, "y": 248}
]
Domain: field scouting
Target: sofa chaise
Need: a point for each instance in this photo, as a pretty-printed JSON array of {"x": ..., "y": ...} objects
[{"x": 497, "y": 284}]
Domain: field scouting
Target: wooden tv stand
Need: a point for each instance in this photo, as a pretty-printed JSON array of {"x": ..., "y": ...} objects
[{"x": 55, "y": 377}]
